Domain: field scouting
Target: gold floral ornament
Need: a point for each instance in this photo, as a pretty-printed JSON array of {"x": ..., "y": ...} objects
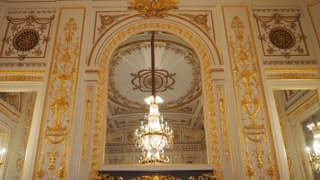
[
  {"x": 63, "y": 73},
  {"x": 153, "y": 8}
]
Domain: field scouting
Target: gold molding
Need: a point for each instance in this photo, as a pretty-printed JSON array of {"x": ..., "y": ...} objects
[
  {"x": 87, "y": 123},
  {"x": 313, "y": 69},
  {"x": 293, "y": 76},
  {"x": 21, "y": 75},
  {"x": 21, "y": 78},
  {"x": 204, "y": 55},
  {"x": 22, "y": 72},
  {"x": 224, "y": 121},
  {"x": 217, "y": 70}
]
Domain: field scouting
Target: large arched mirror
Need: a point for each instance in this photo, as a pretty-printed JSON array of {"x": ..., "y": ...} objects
[
  {"x": 299, "y": 117},
  {"x": 16, "y": 114},
  {"x": 178, "y": 83}
]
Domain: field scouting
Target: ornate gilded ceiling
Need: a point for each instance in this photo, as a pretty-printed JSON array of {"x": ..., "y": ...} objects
[{"x": 177, "y": 73}]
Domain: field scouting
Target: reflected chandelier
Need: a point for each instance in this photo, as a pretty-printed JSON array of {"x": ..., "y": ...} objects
[
  {"x": 154, "y": 135},
  {"x": 314, "y": 152}
]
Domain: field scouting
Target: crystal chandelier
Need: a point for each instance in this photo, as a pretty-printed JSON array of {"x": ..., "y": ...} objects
[
  {"x": 314, "y": 152},
  {"x": 154, "y": 135}
]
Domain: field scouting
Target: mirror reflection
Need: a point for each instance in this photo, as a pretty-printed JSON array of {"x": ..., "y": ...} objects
[
  {"x": 16, "y": 111},
  {"x": 177, "y": 81},
  {"x": 299, "y": 115}
]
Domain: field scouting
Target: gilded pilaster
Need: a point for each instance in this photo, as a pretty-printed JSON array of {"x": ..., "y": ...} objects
[
  {"x": 57, "y": 119},
  {"x": 259, "y": 159},
  {"x": 86, "y": 125},
  {"x": 224, "y": 121}
]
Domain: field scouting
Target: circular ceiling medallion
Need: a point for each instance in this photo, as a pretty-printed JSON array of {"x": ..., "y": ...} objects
[
  {"x": 143, "y": 80},
  {"x": 26, "y": 40},
  {"x": 177, "y": 78},
  {"x": 282, "y": 38}
]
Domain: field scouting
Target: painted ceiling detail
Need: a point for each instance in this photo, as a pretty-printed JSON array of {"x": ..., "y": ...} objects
[
  {"x": 131, "y": 64},
  {"x": 142, "y": 80}
]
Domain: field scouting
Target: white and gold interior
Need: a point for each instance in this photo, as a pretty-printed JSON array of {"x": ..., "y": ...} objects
[{"x": 240, "y": 82}]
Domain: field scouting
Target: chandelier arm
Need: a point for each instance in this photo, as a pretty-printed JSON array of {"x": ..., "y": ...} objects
[{"x": 153, "y": 66}]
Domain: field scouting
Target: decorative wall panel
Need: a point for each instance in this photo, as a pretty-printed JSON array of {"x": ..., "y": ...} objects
[
  {"x": 314, "y": 13},
  {"x": 257, "y": 149},
  {"x": 105, "y": 20},
  {"x": 282, "y": 36},
  {"x": 27, "y": 34},
  {"x": 202, "y": 19},
  {"x": 56, "y": 128}
]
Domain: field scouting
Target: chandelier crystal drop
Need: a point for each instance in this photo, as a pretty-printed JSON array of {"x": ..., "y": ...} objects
[{"x": 154, "y": 134}]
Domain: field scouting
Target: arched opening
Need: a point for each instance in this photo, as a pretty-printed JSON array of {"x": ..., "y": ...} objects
[{"x": 207, "y": 58}]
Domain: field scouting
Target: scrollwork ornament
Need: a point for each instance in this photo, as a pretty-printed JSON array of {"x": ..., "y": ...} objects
[
  {"x": 63, "y": 84},
  {"x": 26, "y": 37},
  {"x": 246, "y": 79},
  {"x": 281, "y": 33},
  {"x": 56, "y": 125}
]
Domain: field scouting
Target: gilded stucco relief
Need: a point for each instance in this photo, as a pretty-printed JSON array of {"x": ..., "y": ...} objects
[
  {"x": 257, "y": 144},
  {"x": 201, "y": 18},
  {"x": 55, "y": 136},
  {"x": 87, "y": 123},
  {"x": 27, "y": 36},
  {"x": 224, "y": 121},
  {"x": 282, "y": 36},
  {"x": 104, "y": 20}
]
